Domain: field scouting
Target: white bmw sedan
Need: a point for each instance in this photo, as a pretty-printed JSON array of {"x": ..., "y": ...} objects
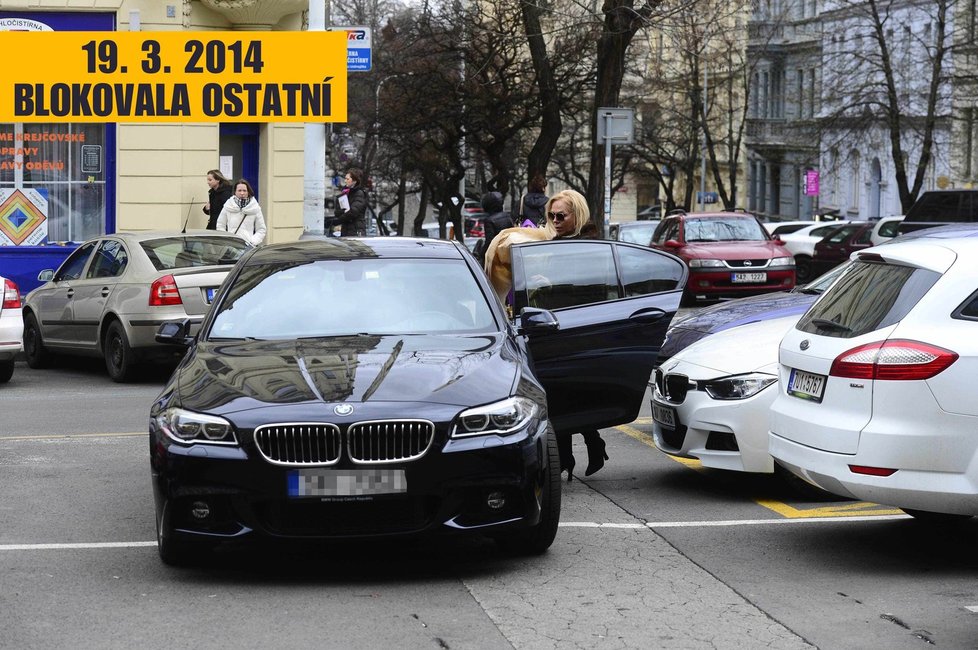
[
  {"x": 11, "y": 327},
  {"x": 711, "y": 401},
  {"x": 877, "y": 392}
]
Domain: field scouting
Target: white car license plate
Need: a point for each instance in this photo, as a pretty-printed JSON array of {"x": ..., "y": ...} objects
[
  {"x": 322, "y": 482},
  {"x": 748, "y": 277},
  {"x": 210, "y": 294},
  {"x": 664, "y": 415},
  {"x": 806, "y": 385}
]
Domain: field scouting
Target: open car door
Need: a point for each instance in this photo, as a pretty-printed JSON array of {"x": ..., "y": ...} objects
[{"x": 613, "y": 302}]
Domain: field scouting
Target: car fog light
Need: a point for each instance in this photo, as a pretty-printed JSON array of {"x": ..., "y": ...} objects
[
  {"x": 704, "y": 283},
  {"x": 200, "y": 510},
  {"x": 496, "y": 500}
]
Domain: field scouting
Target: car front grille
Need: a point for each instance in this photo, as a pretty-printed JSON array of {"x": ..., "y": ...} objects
[
  {"x": 299, "y": 444},
  {"x": 676, "y": 387},
  {"x": 386, "y": 441},
  {"x": 748, "y": 264}
]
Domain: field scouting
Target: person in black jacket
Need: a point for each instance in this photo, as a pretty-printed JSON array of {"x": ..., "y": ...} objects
[
  {"x": 218, "y": 194},
  {"x": 533, "y": 204},
  {"x": 496, "y": 220},
  {"x": 352, "y": 217}
]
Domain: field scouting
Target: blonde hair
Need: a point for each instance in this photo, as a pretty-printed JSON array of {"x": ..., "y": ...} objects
[{"x": 578, "y": 206}]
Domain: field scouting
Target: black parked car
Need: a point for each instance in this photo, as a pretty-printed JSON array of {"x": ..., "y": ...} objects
[{"x": 346, "y": 388}]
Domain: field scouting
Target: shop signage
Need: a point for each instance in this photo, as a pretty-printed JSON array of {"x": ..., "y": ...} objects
[{"x": 175, "y": 77}]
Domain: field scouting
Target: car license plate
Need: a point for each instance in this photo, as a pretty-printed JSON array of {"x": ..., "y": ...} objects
[
  {"x": 664, "y": 415},
  {"x": 210, "y": 294},
  {"x": 322, "y": 482},
  {"x": 806, "y": 385},
  {"x": 748, "y": 277}
]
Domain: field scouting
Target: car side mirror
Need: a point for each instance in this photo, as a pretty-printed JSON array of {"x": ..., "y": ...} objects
[
  {"x": 537, "y": 320},
  {"x": 175, "y": 332},
  {"x": 46, "y": 275},
  {"x": 672, "y": 243},
  {"x": 776, "y": 237}
]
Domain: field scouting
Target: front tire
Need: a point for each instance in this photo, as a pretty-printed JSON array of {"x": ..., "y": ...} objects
[
  {"x": 34, "y": 350},
  {"x": 119, "y": 357},
  {"x": 6, "y": 371},
  {"x": 804, "y": 269},
  {"x": 537, "y": 539}
]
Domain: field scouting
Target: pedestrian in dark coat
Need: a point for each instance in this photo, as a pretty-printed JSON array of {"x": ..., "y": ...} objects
[
  {"x": 218, "y": 193},
  {"x": 533, "y": 204},
  {"x": 496, "y": 220},
  {"x": 353, "y": 216}
]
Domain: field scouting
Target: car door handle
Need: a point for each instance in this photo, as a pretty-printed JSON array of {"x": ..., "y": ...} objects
[
  {"x": 647, "y": 315},
  {"x": 105, "y": 292},
  {"x": 71, "y": 293}
]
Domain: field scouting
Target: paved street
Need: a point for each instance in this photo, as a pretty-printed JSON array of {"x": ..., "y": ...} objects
[{"x": 651, "y": 553}]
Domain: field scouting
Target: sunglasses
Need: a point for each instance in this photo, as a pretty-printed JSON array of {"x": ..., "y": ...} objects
[{"x": 557, "y": 217}]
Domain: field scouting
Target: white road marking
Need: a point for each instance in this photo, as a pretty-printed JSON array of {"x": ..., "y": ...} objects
[
  {"x": 62, "y": 547},
  {"x": 735, "y": 522},
  {"x": 972, "y": 608},
  {"x": 563, "y": 524}
]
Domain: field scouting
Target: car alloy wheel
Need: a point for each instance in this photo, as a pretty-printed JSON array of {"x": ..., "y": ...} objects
[
  {"x": 37, "y": 356},
  {"x": 118, "y": 355},
  {"x": 803, "y": 269}
]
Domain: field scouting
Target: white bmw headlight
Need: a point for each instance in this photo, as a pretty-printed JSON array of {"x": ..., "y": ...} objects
[
  {"x": 187, "y": 427},
  {"x": 739, "y": 386},
  {"x": 703, "y": 264},
  {"x": 499, "y": 418}
]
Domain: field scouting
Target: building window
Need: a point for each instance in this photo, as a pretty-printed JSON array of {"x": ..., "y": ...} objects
[
  {"x": 801, "y": 93},
  {"x": 969, "y": 141},
  {"x": 854, "y": 182},
  {"x": 811, "y": 93}
]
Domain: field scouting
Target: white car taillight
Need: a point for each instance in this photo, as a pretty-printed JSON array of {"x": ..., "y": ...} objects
[
  {"x": 164, "y": 292},
  {"x": 11, "y": 295},
  {"x": 893, "y": 360}
]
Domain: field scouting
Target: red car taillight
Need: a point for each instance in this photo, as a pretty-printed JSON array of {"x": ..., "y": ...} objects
[
  {"x": 164, "y": 292},
  {"x": 11, "y": 295},
  {"x": 893, "y": 360}
]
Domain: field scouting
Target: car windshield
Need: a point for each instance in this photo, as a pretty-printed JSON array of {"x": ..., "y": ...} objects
[
  {"x": 350, "y": 297},
  {"x": 726, "y": 229},
  {"x": 639, "y": 233},
  {"x": 175, "y": 252}
]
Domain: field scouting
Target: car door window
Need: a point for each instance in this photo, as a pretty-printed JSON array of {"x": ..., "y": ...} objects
[
  {"x": 557, "y": 276},
  {"x": 75, "y": 264},
  {"x": 821, "y": 232},
  {"x": 865, "y": 237},
  {"x": 666, "y": 231},
  {"x": 110, "y": 260},
  {"x": 644, "y": 271}
]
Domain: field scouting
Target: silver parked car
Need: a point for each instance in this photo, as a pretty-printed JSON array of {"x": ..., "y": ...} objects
[{"x": 113, "y": 292}]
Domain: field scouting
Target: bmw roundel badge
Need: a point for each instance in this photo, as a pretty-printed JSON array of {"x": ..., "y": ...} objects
[
  {"x": 343, "y": 409},
  {"x": 804, "y": 344}
]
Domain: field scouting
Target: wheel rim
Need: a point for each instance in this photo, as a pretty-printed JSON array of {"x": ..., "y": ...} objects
[
  {"x": 115, "y": 351},
  {"x": 31, "y": 340}
]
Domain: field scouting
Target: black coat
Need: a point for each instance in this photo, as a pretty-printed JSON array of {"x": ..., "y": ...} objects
[
  {"x": 216, "y": 200},
  {"x": 353, "y": 222}
]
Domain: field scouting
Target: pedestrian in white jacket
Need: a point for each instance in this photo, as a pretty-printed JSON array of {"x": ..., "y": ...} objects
[{"x": 242, "y": 215}]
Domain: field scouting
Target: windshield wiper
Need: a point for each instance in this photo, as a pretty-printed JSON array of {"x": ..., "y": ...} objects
[{"x": 825, "y": 323}]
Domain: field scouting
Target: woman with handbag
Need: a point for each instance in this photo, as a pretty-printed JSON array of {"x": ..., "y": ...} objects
[{"x": 242, "y": 215}]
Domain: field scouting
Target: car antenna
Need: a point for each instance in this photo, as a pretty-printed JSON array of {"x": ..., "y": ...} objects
[{"x": 184, "y": 231}]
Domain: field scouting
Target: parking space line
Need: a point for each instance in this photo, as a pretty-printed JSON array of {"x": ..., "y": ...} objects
[
  {"x": 68, "y": 436},
  {"x": 850, "y": 511},
  {"x": 82, "y": 545}
]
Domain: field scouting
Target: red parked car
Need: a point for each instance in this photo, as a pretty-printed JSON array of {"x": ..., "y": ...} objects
[
  {"x": 836, "y": 247},
  {"x": 729, "y": 254}
]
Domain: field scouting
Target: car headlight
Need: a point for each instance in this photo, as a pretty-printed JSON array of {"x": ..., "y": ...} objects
[
  {"x": 739, "y": 386},
  {"x": 187, "y": 427},
  {"x": 499, "y": 418},
  {"x": 703, "y": 264},
  {"x": 783, "y": 261}
]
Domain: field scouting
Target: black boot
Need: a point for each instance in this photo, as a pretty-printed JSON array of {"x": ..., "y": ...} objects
[
  {"x": 566, "y": 453},
  {"x": 596, "y": 454}
]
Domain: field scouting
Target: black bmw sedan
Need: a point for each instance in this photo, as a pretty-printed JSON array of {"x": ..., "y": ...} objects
[{"x": 353, "y": 388}]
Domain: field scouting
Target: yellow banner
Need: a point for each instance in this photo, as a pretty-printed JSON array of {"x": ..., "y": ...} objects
[{"x": 174, "y": 77}]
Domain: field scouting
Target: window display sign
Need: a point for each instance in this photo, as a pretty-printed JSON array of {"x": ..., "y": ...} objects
[
  {"x": 91, "y": 162},
  {"x": 811, "y": 182},
  {"x": 23, "y": 216},
  {"x": 175, "y": 77}
]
